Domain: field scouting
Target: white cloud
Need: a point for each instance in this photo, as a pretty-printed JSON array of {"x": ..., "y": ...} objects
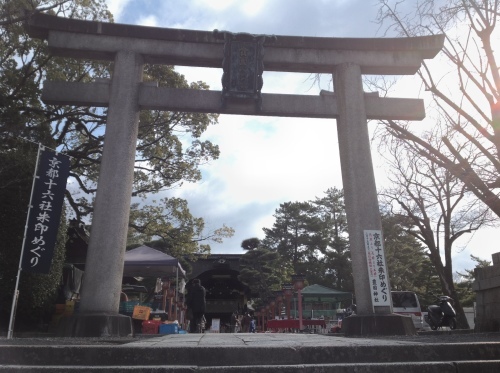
[
  {"x": 217, "y": 5},
  {"x": 253, "y": 7},
  {"x": 150, "y": 20},
  {"x": 116, "y": 7}
]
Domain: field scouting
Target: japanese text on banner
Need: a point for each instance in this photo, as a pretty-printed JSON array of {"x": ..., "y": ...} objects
[
  {"x": 377, "y": 270},
  {"x": 45, "y": 211}
]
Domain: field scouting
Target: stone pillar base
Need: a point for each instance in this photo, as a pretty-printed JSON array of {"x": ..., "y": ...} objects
[
  {"x": 95, "y": 325},
  {"x": 391, "y": 324}
]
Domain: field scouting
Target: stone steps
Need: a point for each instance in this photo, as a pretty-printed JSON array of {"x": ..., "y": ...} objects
[
  {"x": 484, "y": 366},
  {"x": 442, "y": 358}
]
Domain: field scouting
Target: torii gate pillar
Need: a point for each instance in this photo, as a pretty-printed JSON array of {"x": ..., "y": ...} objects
[
  {"x": 100, "y": 296},
  {"x": 361, "y": 203},
  {"x": 360, "y": 192}
]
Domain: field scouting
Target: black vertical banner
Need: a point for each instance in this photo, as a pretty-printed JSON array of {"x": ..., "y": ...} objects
[{"x": 45, "y": 211}]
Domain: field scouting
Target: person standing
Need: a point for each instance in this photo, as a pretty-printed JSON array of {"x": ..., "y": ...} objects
[
  {"x": 196, "y": 302},
  {"x": 245, "y": 323},
  {"x": 234, "y": 322},
  {"x": 252, "y": 326}
]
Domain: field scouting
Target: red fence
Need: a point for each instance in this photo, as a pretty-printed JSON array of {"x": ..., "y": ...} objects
[{"x": 281, "y": 325}]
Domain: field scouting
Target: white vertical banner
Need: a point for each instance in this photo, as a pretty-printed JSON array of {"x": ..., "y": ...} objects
[
  {"x": 377, "y": 269},
  {"x": 215, "y": 327}
]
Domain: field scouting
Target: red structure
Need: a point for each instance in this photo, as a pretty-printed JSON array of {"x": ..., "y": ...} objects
[
  {"x": 288, "y": 292},
  {"x": 298, "y": 284},
  {"x": 283, "y": 325}
]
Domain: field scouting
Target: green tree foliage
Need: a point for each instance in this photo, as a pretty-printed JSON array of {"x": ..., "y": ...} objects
[
  {"x": 405, "y": 256},
  {"x": 37, "y": 291},
  {"x": 25, "y": 63},
  {"x": 168, "y": 226},
  {"x": 169, "y": 148},
  {"x": 261, "y": 270},
  {"x": 429, "y": 285},
  {"x": 311, "y": 238},
  {"x": 295, "y": 235},
  {"x": 170, "y": 222},
  {"x": 330, "y": 209},
  {"x": 466, "y": 279},
  {"x": 328, "y": 260}
]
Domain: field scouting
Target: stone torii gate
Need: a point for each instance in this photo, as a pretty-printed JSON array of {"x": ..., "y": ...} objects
[{"x": 130, "y": 47}]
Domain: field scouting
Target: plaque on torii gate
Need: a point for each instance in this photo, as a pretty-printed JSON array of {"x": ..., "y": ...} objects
[
  {"x": 242, "y": 67},
  {"x": 125, "y": 95}
]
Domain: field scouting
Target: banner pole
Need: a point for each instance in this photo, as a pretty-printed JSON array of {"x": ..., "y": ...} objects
[{"x": 16, "y": 291}]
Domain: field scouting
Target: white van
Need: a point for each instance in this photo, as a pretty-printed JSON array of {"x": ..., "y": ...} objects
[{"x": 406, "y": 303}]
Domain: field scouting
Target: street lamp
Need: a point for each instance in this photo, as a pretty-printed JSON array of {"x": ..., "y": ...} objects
[
  {"x": 288, "y": 292},
  {"x": 298, "y": 284}
]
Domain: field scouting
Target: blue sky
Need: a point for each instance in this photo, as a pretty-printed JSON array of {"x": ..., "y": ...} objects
[{"x": 267, "y": 161}]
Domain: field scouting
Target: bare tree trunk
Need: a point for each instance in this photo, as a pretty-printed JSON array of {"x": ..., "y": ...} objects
[{"x": 448, "y": 287}]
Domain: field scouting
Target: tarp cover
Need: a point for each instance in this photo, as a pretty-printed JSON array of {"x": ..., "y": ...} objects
[{"x": 145, "y": 261}]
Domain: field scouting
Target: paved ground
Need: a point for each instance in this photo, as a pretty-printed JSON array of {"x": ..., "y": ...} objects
[{"x": 261, "y": 339}]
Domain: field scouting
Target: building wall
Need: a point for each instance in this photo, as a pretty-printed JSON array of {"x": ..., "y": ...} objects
[{"x": 487, "y": 288}]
